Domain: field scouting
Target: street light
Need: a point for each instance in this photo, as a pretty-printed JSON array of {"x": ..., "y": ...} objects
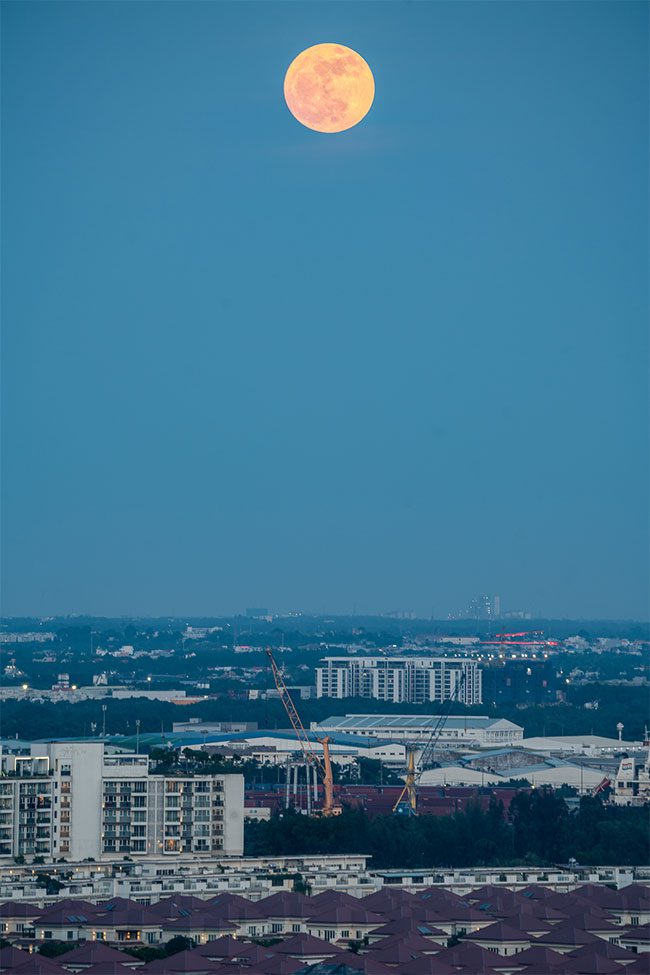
[
  {"x": 137, "y": 736},
  {"x": 104, "y": 720}
]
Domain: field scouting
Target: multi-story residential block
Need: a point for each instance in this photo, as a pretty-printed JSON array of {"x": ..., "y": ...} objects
[
  {"x": 73, "y": 800},
  {"x": 400, "y": 680}
]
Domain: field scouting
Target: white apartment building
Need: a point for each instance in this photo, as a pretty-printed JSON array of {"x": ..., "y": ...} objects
[
  {"x": 400, "y": 680},
  {"x": 72, "y": 800}
]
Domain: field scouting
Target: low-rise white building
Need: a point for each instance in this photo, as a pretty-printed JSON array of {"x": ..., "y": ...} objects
[
  {"x": 593, "y": 745},
  {"x": 632, "y": 782},
  {"x": 466, "y": 731},
  {"x": 546, "y": 773}
]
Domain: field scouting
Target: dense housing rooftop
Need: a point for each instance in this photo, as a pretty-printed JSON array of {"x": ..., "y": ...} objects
[{"x": 492, "y": 930}]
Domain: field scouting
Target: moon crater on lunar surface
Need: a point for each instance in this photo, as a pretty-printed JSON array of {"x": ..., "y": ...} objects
[{"x": 329, "y": 88}]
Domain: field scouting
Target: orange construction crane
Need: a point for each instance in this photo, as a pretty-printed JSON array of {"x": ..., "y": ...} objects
[{"x": 324, "y": 766}]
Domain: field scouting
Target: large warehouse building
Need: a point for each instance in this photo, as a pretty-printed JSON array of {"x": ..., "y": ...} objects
[{"x": 477, "y": 731}]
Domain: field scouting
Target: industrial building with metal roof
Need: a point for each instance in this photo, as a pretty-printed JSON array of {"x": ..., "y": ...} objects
[{"x": 465, "y": 730}]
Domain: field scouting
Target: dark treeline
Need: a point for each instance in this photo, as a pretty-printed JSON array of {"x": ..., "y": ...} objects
[
  {"x": 27, "y": 719},
  {"x": 537, "y": 830},
  {"x": 340, "y": 626}
]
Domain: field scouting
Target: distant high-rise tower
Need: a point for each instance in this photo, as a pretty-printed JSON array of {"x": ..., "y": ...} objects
[{"x": 485, "y": 607}]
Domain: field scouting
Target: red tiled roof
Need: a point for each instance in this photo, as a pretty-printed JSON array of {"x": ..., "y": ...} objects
[
  {"x": 499, "y": 931},
  {"x": 491, "y": 892},
  {"x": 170, "y": 907},
  {"x": 528, "y": 923},
  {"x": 337, "y": 897},
  {"x": 426, "y": 965},
  {"x": 536, "y": 892},
  {"x": 541, "y": 958},
  {"x": 183, "y": 961},
  {"x": 594, "y": 920},
  {"x": 278, "y": 965},
  {"x": 11, "y": 957},
  {"x": 39, "y": 965},
  {"x": 568, "y": 934},
  {"x": 638, "y": 967},
  {"x": 198, "y": 921},
  {"x": 595, "y": 964},
  {"x": 234, "y": 907},
  {"x": 396, "y": 950},
  {"x": 95, "y": 953},
  {"x": 367, "y": 963},
  {"x": 541, "y": 910},
  {"x": 252, "y": 954},
  {"x": 406, "y": 926},
  {"x": 607, "y": 949},
  {"x": 597, "y": 895},
  {"x": 470, "y": 958},
  {"x": 18, "y": 909},
  {"x": 346, "y": 914},
  {"x": 224, "y": 947},
  {"x": 306, "y": 946},
  {"x": 636, "y": 932},
  {"x": 286, "y": 904},
  {"x": 386, "y": 899}
]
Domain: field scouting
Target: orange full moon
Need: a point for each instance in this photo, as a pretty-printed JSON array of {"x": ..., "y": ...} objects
[{"x": 329, "y": 88}]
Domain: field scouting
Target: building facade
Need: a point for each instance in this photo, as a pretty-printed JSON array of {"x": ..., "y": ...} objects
[
  {"x": 72, "y": 800},
  {"x": 475, "y": 731},
  {"x": 400, "y": 680}
]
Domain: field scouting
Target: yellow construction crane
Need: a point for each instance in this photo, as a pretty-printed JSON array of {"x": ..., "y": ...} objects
[
  {"x": 330, "y": 808},
  {"x": 407, "y": 803}
]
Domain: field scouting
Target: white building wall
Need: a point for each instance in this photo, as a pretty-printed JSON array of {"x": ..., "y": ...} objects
[
  {"x": 233, "y": 819},
  {"x": 480, "y": 731},
  {"x": 80, "y": 765},
  {"x": 400, "y": 679},
  {"x": 83, "y": 776}
]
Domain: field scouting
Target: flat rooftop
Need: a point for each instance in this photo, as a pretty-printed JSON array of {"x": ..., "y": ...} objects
[{"x": 357, "y": 722}]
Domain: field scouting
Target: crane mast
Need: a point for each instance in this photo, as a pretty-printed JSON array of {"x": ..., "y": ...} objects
[
  {"x": 330, "y": 807},
  {"x": 407, "y": 803}
]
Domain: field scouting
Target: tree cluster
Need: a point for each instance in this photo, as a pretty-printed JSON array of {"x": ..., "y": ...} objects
[{"x": 537, "y": 830}]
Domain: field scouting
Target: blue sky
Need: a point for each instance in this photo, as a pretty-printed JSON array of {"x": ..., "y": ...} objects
[{"x": 250, "y": 364}]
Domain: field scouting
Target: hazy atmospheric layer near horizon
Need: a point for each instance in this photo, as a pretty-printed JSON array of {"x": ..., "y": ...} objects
[{"x": 246, "y": 364}]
